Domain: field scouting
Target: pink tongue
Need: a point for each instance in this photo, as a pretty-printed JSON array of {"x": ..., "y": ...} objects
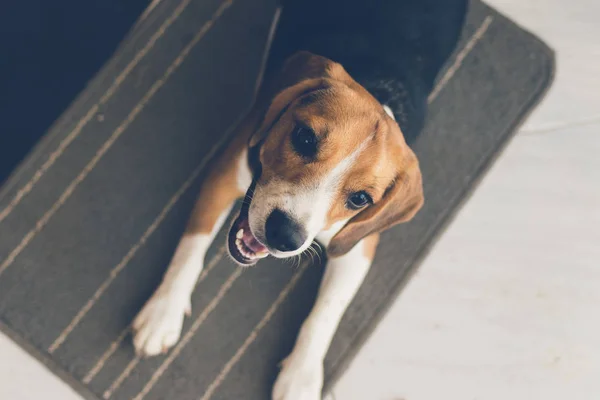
[{"x": 251, "y": 242}]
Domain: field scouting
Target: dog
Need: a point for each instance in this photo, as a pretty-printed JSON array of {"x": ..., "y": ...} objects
[{"x": 321, "y": 156}]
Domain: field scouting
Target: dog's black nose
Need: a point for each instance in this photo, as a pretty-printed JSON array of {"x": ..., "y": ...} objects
[{"x": 283, "y": 233}]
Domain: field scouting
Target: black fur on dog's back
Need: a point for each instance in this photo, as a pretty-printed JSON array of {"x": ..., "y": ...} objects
[{"x": 394, "y": 48}]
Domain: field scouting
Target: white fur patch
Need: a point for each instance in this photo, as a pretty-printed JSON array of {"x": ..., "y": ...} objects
[{"x": 389, "y": 111}]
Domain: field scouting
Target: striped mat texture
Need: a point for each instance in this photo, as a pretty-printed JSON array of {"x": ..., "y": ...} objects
[{"x": 88, "y": 222}]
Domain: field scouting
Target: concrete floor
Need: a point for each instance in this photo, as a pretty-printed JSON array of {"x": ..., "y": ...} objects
[{"x": 504, "y": 307}]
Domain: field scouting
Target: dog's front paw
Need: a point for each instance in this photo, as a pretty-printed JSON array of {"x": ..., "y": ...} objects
[
  {"x": 299, "y": 379},
  {"x": 158, "y": 326}
]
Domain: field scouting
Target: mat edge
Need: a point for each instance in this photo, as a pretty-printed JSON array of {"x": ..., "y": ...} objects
[{"x": 47, "y": 362}]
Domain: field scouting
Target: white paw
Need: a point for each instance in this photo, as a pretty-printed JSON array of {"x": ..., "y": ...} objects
[
  {"x": 158, "y": 326},
  {"x": 299, "y": 380}
]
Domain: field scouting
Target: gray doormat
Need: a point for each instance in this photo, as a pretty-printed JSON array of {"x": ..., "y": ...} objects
[{"x": 89, "y": 221}]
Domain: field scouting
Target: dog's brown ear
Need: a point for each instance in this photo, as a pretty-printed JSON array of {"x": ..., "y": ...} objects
[
  {"x": 302, "y": 73},
  {"x": 401, "y": 201}
]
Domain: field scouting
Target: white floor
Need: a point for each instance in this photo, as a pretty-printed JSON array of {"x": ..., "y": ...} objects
[{"x": 505, "y": 307}]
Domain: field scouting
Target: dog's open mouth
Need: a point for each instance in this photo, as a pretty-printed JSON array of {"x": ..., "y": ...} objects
[{"x": 243, "y": 245}]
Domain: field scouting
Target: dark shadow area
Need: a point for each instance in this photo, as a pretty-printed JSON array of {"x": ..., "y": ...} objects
[{"x": 49, "y": 50}]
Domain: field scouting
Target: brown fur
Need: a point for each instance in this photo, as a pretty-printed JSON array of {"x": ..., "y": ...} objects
[{"x": 397, "y": 167}]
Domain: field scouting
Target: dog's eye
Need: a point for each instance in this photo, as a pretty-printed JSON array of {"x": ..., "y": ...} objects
[
  {"x": 358, "y": 200},
  {"x": 304, "y": 142}
]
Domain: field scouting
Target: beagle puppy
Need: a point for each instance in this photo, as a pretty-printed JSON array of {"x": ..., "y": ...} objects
[{"x": 320, "y": 157}]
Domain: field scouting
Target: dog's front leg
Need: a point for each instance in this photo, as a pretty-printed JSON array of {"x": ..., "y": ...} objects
[
  {"x": 301, "y": 377},
  {"x": 158, "y": 325}
]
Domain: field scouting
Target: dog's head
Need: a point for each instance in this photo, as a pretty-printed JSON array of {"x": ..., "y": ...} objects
[{"x": 330, "y": 161}]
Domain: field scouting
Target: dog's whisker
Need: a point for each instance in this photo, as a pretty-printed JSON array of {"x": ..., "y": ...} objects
[
  {"x": 310, "y": 253},
  {"x": 315, "y": 255},
  {"x": 290, "y": 261},
  {"x": 317, "y": 251},
  {"x": 320, "y": 248}
]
